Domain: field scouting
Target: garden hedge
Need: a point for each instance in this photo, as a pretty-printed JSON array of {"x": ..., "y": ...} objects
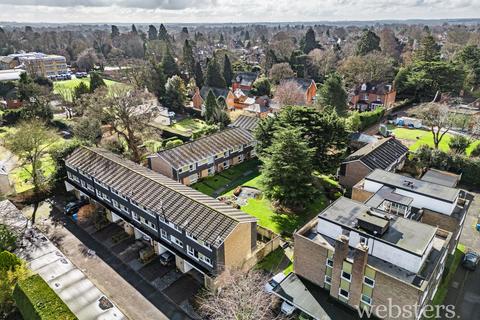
[
  {"x": 37, "y": 301},
  {"x": 369, "y": 118}
]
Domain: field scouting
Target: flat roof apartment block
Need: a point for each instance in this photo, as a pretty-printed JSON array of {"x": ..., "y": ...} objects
[
  {"x": 432, "y": 199},
  {"x": 365, "y": 257}
]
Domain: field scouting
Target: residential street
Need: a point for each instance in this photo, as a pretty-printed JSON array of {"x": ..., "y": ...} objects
[
  {"x": 464, "y": 290},
  {"x": 137, "y": 298}
]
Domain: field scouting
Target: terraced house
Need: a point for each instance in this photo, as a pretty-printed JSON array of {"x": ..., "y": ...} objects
[
  {"x": 204, "y": 157},
  {"x": 200, "y": 231},
  {"x": 366, "y": 258}
]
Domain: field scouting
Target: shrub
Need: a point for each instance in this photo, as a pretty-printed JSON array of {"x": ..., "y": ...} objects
[
  {"x": 7, "y": 238},
  {"x": 37, "y": 301},
  {"x": 12, "y": 116},
  {"x": 173, "y": 143},
  {"x": 8, "y": 260},
  {"x": 459, "y": 144},
  {"x": 8, "y": 280},
  {"x": 426, "y": 157},
  {"x": 476, "y": 151},
  {"x": 369, "y": 118}
]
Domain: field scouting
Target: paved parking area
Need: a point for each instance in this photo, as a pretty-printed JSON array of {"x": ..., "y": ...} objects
[{"x": 166, "y": 280}]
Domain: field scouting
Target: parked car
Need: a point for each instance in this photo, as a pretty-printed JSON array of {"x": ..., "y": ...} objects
[
  {"x": 166, "y": 258},
  {"x": 287, "y": 308},
  {"x": 273, "y": 282},
  {"x": 72, "y": 207},
  {"x": 81, "y": 75},
  {"x": 470, "y": 260}
]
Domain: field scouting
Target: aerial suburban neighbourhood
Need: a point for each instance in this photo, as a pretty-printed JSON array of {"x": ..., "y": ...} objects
[{"x": 217, "y": 160}]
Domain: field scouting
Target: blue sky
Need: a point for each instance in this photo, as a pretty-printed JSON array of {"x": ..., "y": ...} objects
[{"x": 192, "y": 11}]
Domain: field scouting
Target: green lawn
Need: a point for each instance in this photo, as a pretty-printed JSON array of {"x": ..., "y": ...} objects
[
  {"x": 276, "y": 262},
  {"x": 262, "y": 208},
  {"x": 211, "y": 184},
  {"x": 281, "y": 222},
  {"x": 19, "y": 176},
  {"x": 424, "y": 137},
  {"x": 66, "y": 87},
  {"x": 189, "y": 125}
]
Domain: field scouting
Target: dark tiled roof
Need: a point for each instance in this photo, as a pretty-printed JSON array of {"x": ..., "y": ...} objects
[
  {"x": 380, "y": 155},
  {"x": 245, "y": 122},
  {"x": 205, "y": 147},
  {"x": 246, "y": 78},
  {"x": 218, "y": 92},
  {"x": 374, "y": 88},
  {"x": 303, "y": 83},
  {"x": 204, "y": 217}
]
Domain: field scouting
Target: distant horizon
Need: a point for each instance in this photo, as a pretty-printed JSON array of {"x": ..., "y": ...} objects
[
  {"x": 225, "y": 11},
  {"x": 292, "y": 22}
]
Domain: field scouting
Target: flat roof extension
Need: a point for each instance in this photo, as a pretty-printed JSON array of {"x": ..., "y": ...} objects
[
  {"x": 426, "y": 188},
  {"x": 406, "y": 234}
]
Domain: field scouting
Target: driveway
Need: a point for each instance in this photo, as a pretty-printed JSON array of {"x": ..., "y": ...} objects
[
  {"x": 464, "y": 290},
  {"x": 464, "y": 294}
]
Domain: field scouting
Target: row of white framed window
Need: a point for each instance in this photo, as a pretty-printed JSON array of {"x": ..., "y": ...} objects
[{"x": 348, "y": 277}]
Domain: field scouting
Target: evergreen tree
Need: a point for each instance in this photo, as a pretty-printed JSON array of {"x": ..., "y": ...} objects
[
  {"x": 333, "y": 94},
  {"x": 170, "y": 67},
  {"x": 134, "y": 29},
  {"x": 175, "y": 94},
  {"x": 270, "y": 60},
  {"x": 214, "y": 77},
  {"x": 96, "y": 81},
  {"x": 222, "y": 40},
  {"x": 325, "y": 132},
  {"x": 185, "y": 30},
  {"x": 310, "y": 42},
  {"x": 264, "y": 135},
  {"x": 115, "y": 32},
  {"x": 188, "y": 58},
  {"x": 428, "y": 50},
  {"x": 262, "y": 87},
  {"x": 227, "y": 71},
  {"x": 368, "y": 42},
  {"x": 289, "y": 155},
  {"x": 163, "y": 34},
  {"x": 152, "y": 32},
  {"x": 211, "y": 107},
  {"x": 79, "y": 90},
  {"x": 247, "y": 35},
  {"x": 199, "y": 75},
  {"x": 157, "y": 82}
]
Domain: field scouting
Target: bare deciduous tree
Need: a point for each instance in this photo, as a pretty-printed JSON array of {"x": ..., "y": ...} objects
[
  {"x": 289, "y": 93},
  {"x": 438, "y": 117},
  {"x": 281, "y": 71},
  {"x": 239, "y": 296},
  {"x": 128, "y": 112}
]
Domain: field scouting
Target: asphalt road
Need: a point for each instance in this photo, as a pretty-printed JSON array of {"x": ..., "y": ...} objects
[{"x": 464, "y": 293}]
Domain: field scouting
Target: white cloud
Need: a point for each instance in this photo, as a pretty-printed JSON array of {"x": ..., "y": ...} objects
[{"x": 146, "y": 11}]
